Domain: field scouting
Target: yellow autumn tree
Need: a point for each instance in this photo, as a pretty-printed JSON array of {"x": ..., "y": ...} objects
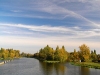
[
  {"x": 84, "y": 53},
  {"x": 75, "y": 55}
]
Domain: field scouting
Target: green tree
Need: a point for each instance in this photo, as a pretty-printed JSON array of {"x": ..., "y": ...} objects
[
  {"x": 9, "y": 53},
  {"x": 17, "y": 53},
  {"x": 56, "y": 54},
  {"x": 23, "y": 54},
  {"x": 47, "y": 53},
  {"x": 3, "y": 52},
  {"x": 94, "y": 56},
  {"x": 71, "y": 56},
  {"x": 61, "y": 54},
  {"x": 75, "y": 55}
]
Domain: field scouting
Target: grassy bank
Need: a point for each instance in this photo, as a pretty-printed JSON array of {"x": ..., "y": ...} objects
[
  {"x": 87, "y": 64},
  {"x": 51, "y": 61}
]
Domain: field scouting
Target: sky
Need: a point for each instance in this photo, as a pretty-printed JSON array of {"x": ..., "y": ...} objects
[{"x": 29, "y": 25}]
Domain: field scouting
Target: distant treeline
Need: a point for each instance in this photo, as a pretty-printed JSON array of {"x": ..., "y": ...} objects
[
  {"x": 60, "y": 54},
  {"x": 6, "y": 54},
  {"x": 28, "y": 55},
  {"x": 84, "y": 54}
]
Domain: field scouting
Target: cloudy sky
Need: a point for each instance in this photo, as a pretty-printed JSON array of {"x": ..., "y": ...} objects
[{"x": 29, "y": 25}]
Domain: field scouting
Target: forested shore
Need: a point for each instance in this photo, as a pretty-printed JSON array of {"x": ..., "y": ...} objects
[
  {"x": 84, "y": 54},
  {"x": 82, "y": 57},
  {"x": 9, "y": 54}
]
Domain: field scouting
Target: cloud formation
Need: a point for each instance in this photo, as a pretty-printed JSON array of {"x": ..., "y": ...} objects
[
  {"x": 75, "y": 32},
  {"x": 54, "y": 22}
]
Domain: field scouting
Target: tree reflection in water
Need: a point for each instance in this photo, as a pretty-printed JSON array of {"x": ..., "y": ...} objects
[
  {"x": 66, "y": 69},
  {"x": 84, "y": 71},
  {"x": 52, "y": 68}
]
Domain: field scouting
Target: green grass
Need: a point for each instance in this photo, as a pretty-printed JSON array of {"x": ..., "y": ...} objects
[
  {"x": 87, "y": 64},
  {"x": 51, "y": 61}
]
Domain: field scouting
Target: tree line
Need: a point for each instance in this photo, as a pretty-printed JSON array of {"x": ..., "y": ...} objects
[
  {"x": 48, "y": 53},
  {"x": 84, "y": 54},
  {"x": 10, "y": 54},
  {"x": 27, "y": 55}
]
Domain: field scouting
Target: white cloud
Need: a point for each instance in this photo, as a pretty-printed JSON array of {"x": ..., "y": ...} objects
[
  {"x": 42, "y": 28},
  {"x": 39, "y": 35},
  {"x": 40, "y": 39},
  {"x": 51, "y": 7},
  {"x": 70, "y": 32},
  {"x": 70, "y": 44},
  {"x": 18, "y": 40}
]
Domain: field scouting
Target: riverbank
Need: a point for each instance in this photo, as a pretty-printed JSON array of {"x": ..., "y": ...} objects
[
  {"x": 51, "y": 61},
  {"x": 87, "y": 64},
  {"x": 1, "y": 63},
  {"x": 5, "y": 61}
]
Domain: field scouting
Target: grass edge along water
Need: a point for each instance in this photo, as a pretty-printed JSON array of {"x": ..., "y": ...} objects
[{"x": 87, "y": 64}]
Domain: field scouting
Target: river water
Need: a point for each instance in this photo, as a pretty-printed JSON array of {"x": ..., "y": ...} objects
[{"x": 31, "y": 66}]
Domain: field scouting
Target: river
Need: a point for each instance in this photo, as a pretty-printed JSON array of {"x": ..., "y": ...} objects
[{"x": 31, "y": 66}]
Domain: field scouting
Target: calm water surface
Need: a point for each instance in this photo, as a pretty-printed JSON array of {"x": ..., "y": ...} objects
[{"x": 30, "y": 66}]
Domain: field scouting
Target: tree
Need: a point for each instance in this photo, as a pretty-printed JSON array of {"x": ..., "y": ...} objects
[
  {"x": 23, "y": 54},
  {"x": 4, "y": 54},
  {"x": 47, "y": 53},
  {"x": 9, "y": 53},
  {"x": 0, "y": 55},
  {"x": 61, "y": 54},
  {"x": 84, "y": 53},
  {"x": 94, "y": 56},
  {"x": 57, "y": 48},
  {"x": 75, "y": 55},
  {"x": 17, "y": 53}
]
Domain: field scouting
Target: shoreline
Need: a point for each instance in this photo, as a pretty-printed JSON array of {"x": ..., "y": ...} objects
[
  {"x": 87, "y": 64},
  {"x": 51, "y": 61},
  {"x": 1, "y": 63},
  {"x": 4, "y": 62}
]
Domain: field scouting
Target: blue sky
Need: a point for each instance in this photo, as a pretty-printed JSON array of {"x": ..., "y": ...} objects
[{"x": 29, "y": 25}]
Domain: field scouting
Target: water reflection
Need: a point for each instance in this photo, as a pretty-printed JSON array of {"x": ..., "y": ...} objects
[
  {"x": 52, "y": 68},
  {"x": 30, "y": 66},
  {"x": 66, "y": 69},
  {"x": 46, "y": 68},
  {"x": 59, "y": 69},
  {"x": 84, "y": 71}
]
